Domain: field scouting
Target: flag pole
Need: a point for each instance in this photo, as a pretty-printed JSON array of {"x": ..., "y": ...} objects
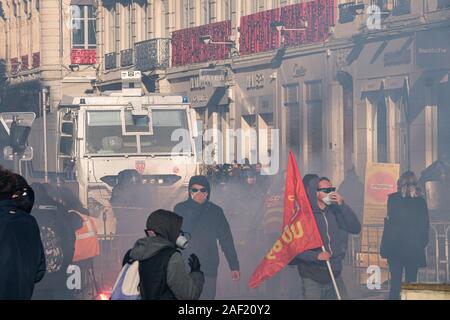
[{"x": 332, "y": 277}]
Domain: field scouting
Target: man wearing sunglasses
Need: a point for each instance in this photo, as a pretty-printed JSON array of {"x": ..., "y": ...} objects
[
  {"x": 208, "y": 225},
  {"x": 335, "y": 220}
]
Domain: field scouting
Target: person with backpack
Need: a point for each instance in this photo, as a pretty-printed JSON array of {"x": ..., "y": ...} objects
[
  {"x": 57, "y": 229},
  {"x": 22, "y": 259},
  {"x": 162, "y": 272}
]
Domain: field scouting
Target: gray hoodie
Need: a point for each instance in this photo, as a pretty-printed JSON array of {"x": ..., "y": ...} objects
[{"x": 184, "y": 285}]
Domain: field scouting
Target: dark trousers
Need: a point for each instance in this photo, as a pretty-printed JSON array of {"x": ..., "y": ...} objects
[
  {"x": 396, "y": 271},
  {"x": 209, "y": 288},
  {"x": 313, "y": 290}
]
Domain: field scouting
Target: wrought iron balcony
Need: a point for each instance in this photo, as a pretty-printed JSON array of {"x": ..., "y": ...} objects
[
  {"x": 152, "y": 54},
  {"x": 110, "y": 61},
  {"x": 126, "y": 58}
]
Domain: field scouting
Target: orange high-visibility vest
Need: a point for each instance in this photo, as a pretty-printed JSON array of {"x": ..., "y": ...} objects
[{"x": 86, "y": 243}]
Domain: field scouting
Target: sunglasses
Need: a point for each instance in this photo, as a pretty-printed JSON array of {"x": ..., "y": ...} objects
[
  {"x": 326, "y": 190},
  {"x": 195, "y": 190}
]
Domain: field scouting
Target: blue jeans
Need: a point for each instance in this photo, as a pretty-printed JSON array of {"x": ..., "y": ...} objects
[{"x": 313, "y": 290}]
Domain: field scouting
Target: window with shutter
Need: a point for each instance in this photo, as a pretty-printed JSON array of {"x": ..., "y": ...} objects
[
  {"x": 291, "y": 96},
  {"x": 313, "y": 99},
  {"x": 293, "y": 119}
]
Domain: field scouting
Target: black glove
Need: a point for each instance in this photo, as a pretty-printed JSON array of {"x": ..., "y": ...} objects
[{"x": 194, "y": 263}]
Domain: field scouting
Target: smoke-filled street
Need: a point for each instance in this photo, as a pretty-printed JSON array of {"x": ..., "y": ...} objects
[{"x": 224, "y": 150}]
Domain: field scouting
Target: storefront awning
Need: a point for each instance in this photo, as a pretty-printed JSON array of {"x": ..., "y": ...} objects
[
  {"x": 371, "y": 85},
  {"x": 391, "y": 83},
  {"x": 395, "y": 83}
]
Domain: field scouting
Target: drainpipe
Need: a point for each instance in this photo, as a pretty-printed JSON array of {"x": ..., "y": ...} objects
[
  {"x": 61, "y": 31},
  {"x": 8, "y": 34},
  {"x": 44, "y": 118}
]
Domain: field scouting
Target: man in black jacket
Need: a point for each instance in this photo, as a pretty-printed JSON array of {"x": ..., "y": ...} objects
[
  {"x": 334, "y": 220},
  {"x": 162, "y": 272},
  {"x": 22, "y": 260},
  {"x": 207, "y": 224}
]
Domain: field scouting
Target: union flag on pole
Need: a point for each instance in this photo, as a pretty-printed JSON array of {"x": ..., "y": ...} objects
[{"x": 299, "y": 234}]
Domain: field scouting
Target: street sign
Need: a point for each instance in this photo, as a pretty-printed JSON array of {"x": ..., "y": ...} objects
[
  {"x": 27, "y": 155},
  {"x": 24, "y": 119}
]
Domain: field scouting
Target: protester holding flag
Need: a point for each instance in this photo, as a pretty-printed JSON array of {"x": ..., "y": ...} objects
[
  {"x": 335, "y": 220},
  {"x": 298, "y": 232}
]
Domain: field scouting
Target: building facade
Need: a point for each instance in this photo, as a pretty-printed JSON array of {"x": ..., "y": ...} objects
[
  {"x": 345, "y": 83},
  {"x": 48, "y": 49}
]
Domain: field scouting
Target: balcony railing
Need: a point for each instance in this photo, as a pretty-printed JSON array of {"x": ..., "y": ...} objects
[
  {"x": 152, "y": 54},
  {"x": 126, "y": 58},
  {"x": 110, "y": 61}
]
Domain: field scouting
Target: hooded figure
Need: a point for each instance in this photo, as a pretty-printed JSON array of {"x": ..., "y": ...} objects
[
  {"x": 161, "y": 266},
  {"x": 22, "y": 259},
  {"x": 334, "y": 223},
  {"x": 208, "y": 225},
  {"x": 24, "y": 196}
]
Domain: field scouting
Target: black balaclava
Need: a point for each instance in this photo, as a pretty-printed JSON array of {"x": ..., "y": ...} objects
[
  {"x": 200, "y": 180},
  {"x": 24, "y": 193},
  {"x": 165, "y": 224}
]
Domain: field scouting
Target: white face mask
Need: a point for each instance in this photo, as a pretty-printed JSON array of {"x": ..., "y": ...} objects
[
  {"x": 327, "y": 199},
  {"x": 182, "y": 241}
]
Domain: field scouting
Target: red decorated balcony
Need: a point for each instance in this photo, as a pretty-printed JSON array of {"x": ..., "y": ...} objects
[
  {"x": 188, "y": 49},
  {"x": 36, "y": 60},
  {"x": 25, "y": 64},
  {"x": 258, "y": 35},
  {"x": 83, "y": 56}
]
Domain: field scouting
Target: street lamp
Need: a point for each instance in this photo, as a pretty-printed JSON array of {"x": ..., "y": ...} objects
[
  {"x": 279, "y": 26},
  {"x": 281, "y": 29},
  {"x": 207, "y": 39}
]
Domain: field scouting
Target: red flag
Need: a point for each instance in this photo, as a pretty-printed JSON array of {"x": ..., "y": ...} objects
[{"x": 300, "y": 232}]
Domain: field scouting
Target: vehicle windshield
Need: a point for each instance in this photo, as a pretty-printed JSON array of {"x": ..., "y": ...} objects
[{"x": 105, "y": 134}]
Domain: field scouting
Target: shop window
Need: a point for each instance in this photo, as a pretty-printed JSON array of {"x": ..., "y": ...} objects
[
  {"x": 443, "y": 4},
  {"x": 443, "y": 133},
  {"x": 381, "y": 132},
  {"x": 401, "y": 7}
]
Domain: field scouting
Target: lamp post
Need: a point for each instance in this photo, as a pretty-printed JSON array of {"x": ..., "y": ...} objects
[
  {"x": 280, "y": 27},
  {"x": 207, "y": 39}
]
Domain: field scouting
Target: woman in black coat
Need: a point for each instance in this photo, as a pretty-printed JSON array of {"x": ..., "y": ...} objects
[{"x": 406, "y": 233}]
